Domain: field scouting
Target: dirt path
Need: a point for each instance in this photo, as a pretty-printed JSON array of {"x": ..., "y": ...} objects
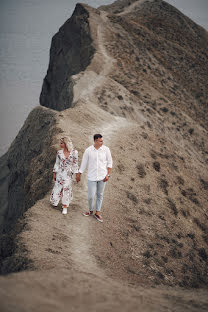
[
  {"x": 95, "y": 75},
  {"x": 133, "y": 6},
  {"x": 80, "y": 227}
]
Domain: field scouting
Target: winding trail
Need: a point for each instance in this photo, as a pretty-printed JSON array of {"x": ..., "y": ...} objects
[
  {"x": 85, "y": 89},
  {"x": 81, "y": 228},
  {"x": 133, "y": 6},
  {"x": 95, "y": 75}
]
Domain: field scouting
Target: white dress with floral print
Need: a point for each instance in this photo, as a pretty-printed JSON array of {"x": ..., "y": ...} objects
[{"x": 64, "y": 169}]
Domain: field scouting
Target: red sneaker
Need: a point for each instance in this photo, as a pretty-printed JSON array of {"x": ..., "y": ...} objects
[
  {"x": 87, "y": 214},
  {"x": 98, "y": 217}
]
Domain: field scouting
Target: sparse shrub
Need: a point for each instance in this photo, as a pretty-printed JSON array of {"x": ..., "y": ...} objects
[
  {"x": 183, "y": 192},
  {"x": 205, "y": 238},
  {"x": 147, "y": 254},
  {"x": 165, "y": 259},
  {"x": 174, "y": 253},
  {"x": 153, "y": 155},
  {"x": 180, "y": 180},
  {"x": 179, "y": 235},
  {"x": 135, "y": 92},
  {"x": 121, "y": 168},
  {"x": 141, "y": 170},
  {"x": 144, "y": 135},
  {"x": 173, "y": 166},
  {"x": 149, "y": 124},
  {"x": 160, "y": 275},
  {"x": 163, "y": 183},
  {"x": 191, "y": 131},
  {"x": 201, "y": 225},
  {"x": 204, "y": 184},
  {"x": 120, "y": 97},
  {"x": 166, "y": 239},
  {"x": 147, "y": 201},
  {"x": 203, "y": 254},
  {"x": 161, "y": 217},
  {"x": 185, "y": 213},
  {"x": 169, "y": 271},
  {"x": 172, "y": 206},
  {"x": 191, "y": 235},
  {"x": 156, "y": 166},
  {"x": 132, "y": 197},
  {"x": 164, "y": 109},
  {"x": 136, "y": 227},
  {"x": 191, "y": 195}
]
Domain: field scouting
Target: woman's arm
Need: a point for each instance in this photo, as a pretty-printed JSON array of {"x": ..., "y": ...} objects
[
  {"x": 75, "y": 162},
  {"x": 56, "y": 166}
]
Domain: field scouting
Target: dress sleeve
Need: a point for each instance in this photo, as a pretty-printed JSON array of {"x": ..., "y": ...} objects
[
  {"x": 75, "y": 162},
  {"x": 57, "y": 164}
]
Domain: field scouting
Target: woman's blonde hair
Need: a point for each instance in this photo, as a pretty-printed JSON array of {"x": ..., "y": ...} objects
[{"x": 68, "y": 143}]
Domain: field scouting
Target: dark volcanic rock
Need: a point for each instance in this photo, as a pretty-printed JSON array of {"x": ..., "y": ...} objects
[
  {"x": 71, "y": 52},
  {"x": 25, "y": 178},
  {"x": 29, "y": 162}
]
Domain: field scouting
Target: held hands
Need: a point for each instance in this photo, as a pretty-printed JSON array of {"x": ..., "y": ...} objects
[
  {"x": 106, "y": 179},
  {"x": 54, "y": 176},
  {"x": 78, "y": 177}
]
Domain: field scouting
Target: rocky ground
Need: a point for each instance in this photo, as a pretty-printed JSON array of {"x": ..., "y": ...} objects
[{"x": 137, "y": 89}]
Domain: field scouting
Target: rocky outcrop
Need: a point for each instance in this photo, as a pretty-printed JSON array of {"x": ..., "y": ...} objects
[
  {"x": 71, "y": 52},
  {"x": 4, "y": 178},
  {"x": 25, "y": 175},
  {"x": 30, "y": 160}
]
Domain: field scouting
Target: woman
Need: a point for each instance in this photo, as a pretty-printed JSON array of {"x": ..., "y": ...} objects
[{"x": 66, "y": 164}]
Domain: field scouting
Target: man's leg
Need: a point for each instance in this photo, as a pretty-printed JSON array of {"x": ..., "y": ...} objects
[
  {"x": 92, "y": 185},
  {"x": 100, "y": 191}
]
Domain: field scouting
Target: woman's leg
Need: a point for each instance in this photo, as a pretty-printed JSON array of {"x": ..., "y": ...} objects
[
  {"x": 56, "y": 193},
  {"x": 67, "y": 195}
]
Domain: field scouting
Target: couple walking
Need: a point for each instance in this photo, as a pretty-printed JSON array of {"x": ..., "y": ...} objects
[{"x": 97, "y": 158}]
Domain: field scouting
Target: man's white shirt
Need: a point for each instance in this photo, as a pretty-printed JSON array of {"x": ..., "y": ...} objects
[{"x": 98, "y": 160}]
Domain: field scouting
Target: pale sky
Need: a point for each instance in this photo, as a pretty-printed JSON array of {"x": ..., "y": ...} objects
[{"x": 26, "y": 29}]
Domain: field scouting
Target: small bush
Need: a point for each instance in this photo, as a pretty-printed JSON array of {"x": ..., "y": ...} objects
[
  {"x": 163, "y": 183},
  {"x": 203, "y": 254},
  {"x": 147, "y": 254},
  {"x": 132, "y": 197},
  {"x": 141, "y": 170},
  {"x": 172, "y": 206},
  {"x": 156, "y": 166}
]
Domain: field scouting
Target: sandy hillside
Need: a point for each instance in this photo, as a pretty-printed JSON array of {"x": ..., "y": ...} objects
[{"x": 150, "y": 253}]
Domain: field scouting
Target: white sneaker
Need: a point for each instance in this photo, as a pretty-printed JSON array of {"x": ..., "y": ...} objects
[{"x": 64, "y": 211}]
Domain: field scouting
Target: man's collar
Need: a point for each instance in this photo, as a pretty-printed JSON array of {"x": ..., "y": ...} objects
[{"x": 100, "y": 148}]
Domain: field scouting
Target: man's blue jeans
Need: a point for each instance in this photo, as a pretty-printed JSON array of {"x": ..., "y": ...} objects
[{"x": 95, "y": 187}]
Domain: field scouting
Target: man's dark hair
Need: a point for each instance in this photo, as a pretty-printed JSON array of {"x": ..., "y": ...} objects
[{"x": 97, "y": 136}]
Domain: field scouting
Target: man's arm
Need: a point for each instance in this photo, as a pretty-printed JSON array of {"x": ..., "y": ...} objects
[{"x": 109, "y": 164}]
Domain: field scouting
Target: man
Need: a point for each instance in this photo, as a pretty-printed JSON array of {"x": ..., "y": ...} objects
[{"x": 99, "y": 161}]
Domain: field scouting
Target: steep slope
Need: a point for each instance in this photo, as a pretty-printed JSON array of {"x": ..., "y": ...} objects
[{"x": 136, "y": 85}]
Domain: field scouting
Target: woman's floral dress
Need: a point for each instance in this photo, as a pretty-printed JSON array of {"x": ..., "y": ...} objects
[{"x": 64, "y": 168}]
